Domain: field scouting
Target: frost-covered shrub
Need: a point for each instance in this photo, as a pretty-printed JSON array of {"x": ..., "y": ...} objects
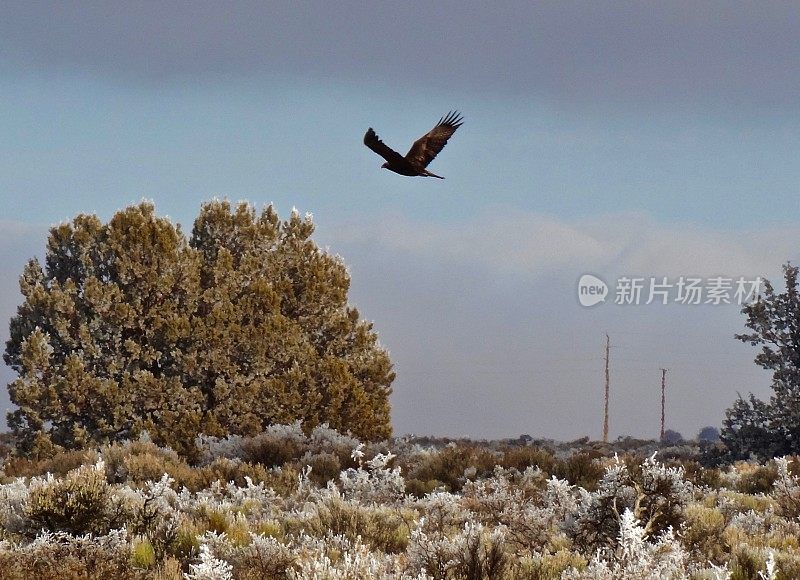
[
  {"x": 699, "y": 476},
  {"x": 520, "y": 458},
  {"x": 60, "y": 556},
  {"x": 141, "y": 460},
  {"x": 635, "y": 558},
  {"x": 597, "y": 518},
  {"x": 59, "y": 464},
  {"x": 13, "y": 500},
  {"x": 323, "y": 439},
  {"x": 373, "y": 481},
  {"x": 547, "y": 565},
  {"x": 747, "y": 562},
  {"x": 258, "y": 558},
  {"x": 448, "y": 465},
  {"x": 529, "y": 508},
  {"x": 331, "y": 556},
  {"x": 473, "y": 552},
  {"x": 324, "y": 466},
  {"x": 275, "y": 445},
  {"x": 279, "y": 446},
  {"x": 754, "y": 479},
  {"x": 339, "y": 558},
  {"x": 225, "y": 470},
  {"x": 751, "y": 522},
  {"x": 765, "y": 529},
  {"x": 786, "y": 489},
  {"x": 787, "y": 564},
  {"x": 382, "y": 528},
  {"x": 702, "y": 531},
  {"x": 253, "y": 502},
  {"x": 731, "y": 503},
  {"x": 210, "y": 447},
  {"x": 272, "y": 449},
  {"x": 209, "y": 567},
  {"x": 434, "y": 552},
  {"x": 662, "y": 493},
  {"x": 442, "y": 510},
  {"x": 579, "y": 469},
  {"x": 264, "y": 558},
  {"x": 655, "y": 494},
  {"x": 482, "y": 552},
  {"x": 152, "y": 513},
  {"x": 79, "y": 503},
  {"x": 419, "y": 489}
]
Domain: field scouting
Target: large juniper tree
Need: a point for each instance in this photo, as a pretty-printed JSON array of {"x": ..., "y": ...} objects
[
  {"x": 130, "y": 326},
  {"x": 770, "y": 428}
]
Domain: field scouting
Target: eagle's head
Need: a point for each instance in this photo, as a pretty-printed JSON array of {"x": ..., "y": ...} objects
[{"x": 385, "y": 165}]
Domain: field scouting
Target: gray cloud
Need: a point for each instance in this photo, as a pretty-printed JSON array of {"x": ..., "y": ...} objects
[
  {"x": 483, "y": 322},
  {"x": 631, "y": 52},
  {"x": 510, "y": 242}
]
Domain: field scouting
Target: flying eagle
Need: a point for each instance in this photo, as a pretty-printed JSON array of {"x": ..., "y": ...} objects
[{"x": 422, "y": 152}]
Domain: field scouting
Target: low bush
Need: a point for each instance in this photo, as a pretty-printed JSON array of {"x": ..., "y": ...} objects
[{"x": 79, "y": 503}]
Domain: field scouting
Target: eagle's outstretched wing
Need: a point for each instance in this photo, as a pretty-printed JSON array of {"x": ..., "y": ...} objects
[
  {"x": 427, "y": 147},
  {"x": 372, "y": 141}
]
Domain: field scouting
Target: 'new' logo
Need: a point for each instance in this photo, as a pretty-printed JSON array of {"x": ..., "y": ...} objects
[{"x": 591, "y": 290}]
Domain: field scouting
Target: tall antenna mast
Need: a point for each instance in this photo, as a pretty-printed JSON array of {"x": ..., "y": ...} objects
[
  {"x": 605, "y": 413},
  {"x": 663, "y": 399}
]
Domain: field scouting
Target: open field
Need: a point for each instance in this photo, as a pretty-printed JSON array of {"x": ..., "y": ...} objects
[{"x": 287, "y": 504}]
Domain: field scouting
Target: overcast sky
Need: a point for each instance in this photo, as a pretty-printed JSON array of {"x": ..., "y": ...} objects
[{"x": 643, "y": 139}]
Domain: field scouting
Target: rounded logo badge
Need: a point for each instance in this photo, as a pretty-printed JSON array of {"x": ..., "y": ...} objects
[{"x": 591, "y": 290}]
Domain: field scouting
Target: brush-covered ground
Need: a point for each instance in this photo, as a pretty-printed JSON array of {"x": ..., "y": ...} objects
[{"x": 289, "y": 504}]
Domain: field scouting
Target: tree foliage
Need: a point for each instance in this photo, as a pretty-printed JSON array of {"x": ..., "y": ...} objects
[
  {"x": 672, "y": 437},
  {"x": 708, "y": 434},
  {"x": 770, "y": 428},
  {"x": 130, "y": 326}
]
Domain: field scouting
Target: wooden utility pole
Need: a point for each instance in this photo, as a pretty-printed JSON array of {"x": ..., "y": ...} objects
[
  {"x": 663, "y": 399},
  {"x": 605, "y": 414}
]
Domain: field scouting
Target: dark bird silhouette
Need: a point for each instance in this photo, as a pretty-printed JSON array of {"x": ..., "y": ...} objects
[{"x": 422, "y": 152}]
